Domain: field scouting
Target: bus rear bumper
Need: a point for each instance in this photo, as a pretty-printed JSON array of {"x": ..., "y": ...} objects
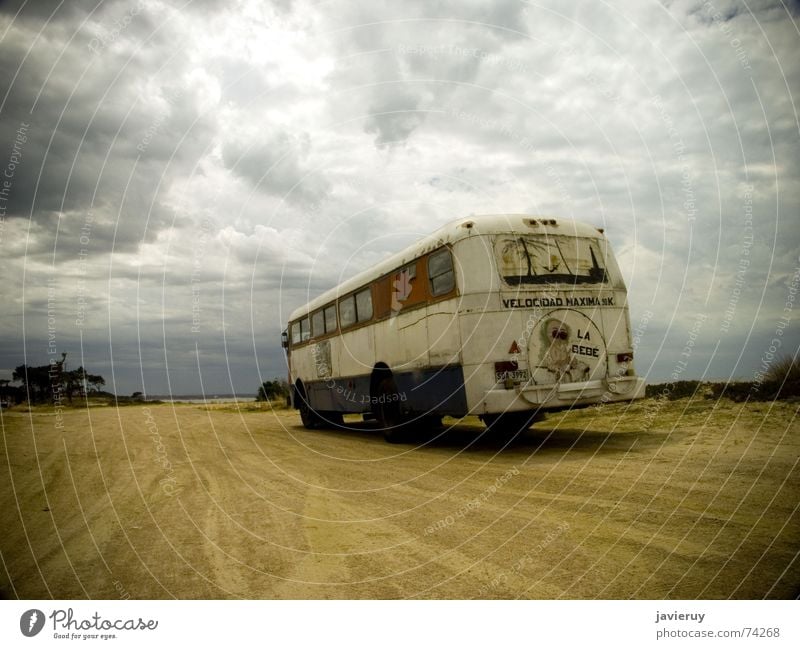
[{"x": 564, "y": 395}]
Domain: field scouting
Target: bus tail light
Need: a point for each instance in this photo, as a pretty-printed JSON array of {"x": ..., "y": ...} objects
[
  {"x": 506, "y": 366},
  {"x": 625, "y": 357}
]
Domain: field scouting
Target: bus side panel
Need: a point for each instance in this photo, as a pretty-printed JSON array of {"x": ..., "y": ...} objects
[
  {"x": 354, "y": 352},
  {"x": 401, "y": 341},
  {"x": 438, "y": 391},
  {"x": 444, "y": 334},
  {"x": 341, "y": 395},
  {"x": 303, "y": 365}
]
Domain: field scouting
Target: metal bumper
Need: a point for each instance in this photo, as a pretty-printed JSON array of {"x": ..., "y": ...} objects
[{"x": 560, "y": 395}]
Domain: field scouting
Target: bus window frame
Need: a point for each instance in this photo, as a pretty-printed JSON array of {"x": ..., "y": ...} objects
[
  {"x": 305, "y": 330},
  {"x": 321, "y": 314},
  {"x": 357, "y": 322},
  {"x": 345, "y": 326},
  {"x": 325, "y": 310},
  {"x": 367, "y": 291},
  {"x": 295, "y": 327},
  {"x": 452, "y": 272},
  {"x": 430, "y": 298}
]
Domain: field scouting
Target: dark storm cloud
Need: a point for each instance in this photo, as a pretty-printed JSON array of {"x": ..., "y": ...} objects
[
  {"x": 39, "y": 10},
  {"x": 104, "y": 136},
  {"x": 716, "y": 11}
]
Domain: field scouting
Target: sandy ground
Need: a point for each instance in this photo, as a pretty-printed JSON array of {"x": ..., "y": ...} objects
[{"x": 684, "y": 500}]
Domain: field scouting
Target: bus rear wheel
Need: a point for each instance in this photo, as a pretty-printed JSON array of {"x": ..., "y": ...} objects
[
  {"x": 332, "y": 419},
  {"x": 390, "y": 417},
  {"x": 511, "y": 423},
  {"x": 430, "y": 422}
]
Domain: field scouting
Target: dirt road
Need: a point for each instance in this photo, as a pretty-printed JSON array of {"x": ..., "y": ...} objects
[{"x": 683, "y": 500}]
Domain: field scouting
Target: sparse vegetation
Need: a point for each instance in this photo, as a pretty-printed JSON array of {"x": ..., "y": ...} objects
[
  {"x": 781, "y": 381},
  {"x": 785, "y": 370},
  {"x": 673, "y": 391},
  {"x": 274, "y": 390},
  {"x": 136, "y": 399},
  {"x": 247, "y": 406}
]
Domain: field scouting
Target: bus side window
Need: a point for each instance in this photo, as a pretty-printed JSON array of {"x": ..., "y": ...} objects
[
  {"x": 295, "y": 332},
  {"x": 330, "y": 318},
  {"x": 364, "y": 305},
  {"x": 440, "y": 272},
  {"x": 347, "y": 311},
  {"x": 317, "y": 323},
  {"x": 305, "y": 330}
]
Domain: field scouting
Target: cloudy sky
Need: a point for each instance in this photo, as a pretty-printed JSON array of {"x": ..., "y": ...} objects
[{"x": 177, "y": 177}]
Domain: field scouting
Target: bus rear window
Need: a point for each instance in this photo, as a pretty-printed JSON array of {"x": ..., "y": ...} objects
[{"x": 551, "y": 260}]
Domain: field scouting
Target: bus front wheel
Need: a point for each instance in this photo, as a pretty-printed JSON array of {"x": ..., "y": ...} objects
[{"x": 308, "y": 415}]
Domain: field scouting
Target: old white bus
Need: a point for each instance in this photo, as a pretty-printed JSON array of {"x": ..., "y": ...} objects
[{"x": 502, "y": 316}]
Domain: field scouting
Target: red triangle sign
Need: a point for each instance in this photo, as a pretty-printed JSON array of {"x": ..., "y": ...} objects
[{"x": 514, "y": 349}]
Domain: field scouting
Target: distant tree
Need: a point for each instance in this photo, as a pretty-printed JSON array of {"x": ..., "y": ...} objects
[
  {"x": 270, "y": 390},
  {"x": 20, "y": 374},
  {"x": 50, "y": 382},
  {"x": 95, "y": 381},
  {"x": 9, "y": 394},
  {"x": 35, "y": 381},
  {"x": 72, "y": 382}
]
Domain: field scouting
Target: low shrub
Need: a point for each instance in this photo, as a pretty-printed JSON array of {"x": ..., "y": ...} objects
[{"x": 673, "y": 391}]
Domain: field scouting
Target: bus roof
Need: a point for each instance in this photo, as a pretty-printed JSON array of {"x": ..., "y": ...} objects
[{"x": 448, "y": 234}]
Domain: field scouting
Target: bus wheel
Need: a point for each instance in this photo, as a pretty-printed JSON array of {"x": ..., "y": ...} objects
[
  {"x": 389, "y": 416},
  {"x": 511, "y": 423},
  {"x": 333, "y": 419},
  {"x": 430, "y": 422},
  {"x": 308, "y": 415}
]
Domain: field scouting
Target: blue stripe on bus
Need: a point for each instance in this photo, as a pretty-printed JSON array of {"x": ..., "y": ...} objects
[
  {"x": 436, "y": 390},
  {"x": 344, "y": 394}
]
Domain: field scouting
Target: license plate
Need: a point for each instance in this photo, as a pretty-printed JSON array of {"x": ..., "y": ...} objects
[{"x": 514, "y": 375}]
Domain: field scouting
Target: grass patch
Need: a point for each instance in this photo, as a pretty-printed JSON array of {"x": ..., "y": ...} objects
[{"x": 246, "y": 406}]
